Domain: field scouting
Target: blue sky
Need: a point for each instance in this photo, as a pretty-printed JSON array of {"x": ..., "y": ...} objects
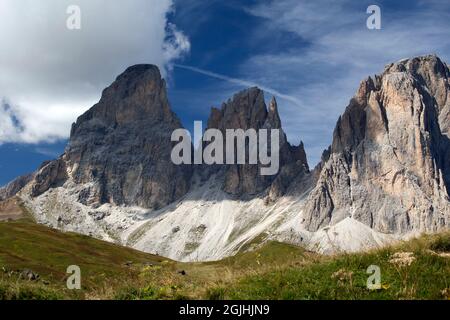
[{"x": 310, "y": 54}]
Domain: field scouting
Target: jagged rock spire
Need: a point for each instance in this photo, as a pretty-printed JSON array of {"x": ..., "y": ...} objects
[
  {"x": 274, "y": 117},
  {"x": 248, "y": 110}
]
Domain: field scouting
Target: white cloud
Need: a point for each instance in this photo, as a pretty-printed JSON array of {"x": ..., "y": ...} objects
[
  {"x": 336, "y": 51},
  {"x": 50, "y": 75}
]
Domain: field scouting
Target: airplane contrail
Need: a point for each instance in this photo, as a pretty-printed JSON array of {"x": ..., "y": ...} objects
[{"x": 241, "y": 82}]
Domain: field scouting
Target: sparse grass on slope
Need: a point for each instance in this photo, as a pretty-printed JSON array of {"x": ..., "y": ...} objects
[
  {"x": 274, "y": 271},
  {"x": 48, "y": 252},
  {"x": 421, "y": 272}
]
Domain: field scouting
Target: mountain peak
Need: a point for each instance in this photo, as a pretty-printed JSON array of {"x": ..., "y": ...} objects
[
  {"x": 135, "y": 78},
  {"x": 140, "y": 69},
  {"x": 433, "y": 75},
  {"x": 138, "y": 94},
  {"x": 426, "y": 68},
  {"x": 248, "y": 110},
  {"x": 388, "y": 165},
  {"x": 119, "y": 150},
  {"x": 245, "y": 110},
  {"x": 429, "y": 59}
]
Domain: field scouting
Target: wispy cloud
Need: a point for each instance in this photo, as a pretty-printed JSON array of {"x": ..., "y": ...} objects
[{"x": 243, "y": 83}]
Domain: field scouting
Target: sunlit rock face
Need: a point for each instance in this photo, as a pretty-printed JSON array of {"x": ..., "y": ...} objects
[{"x": 388, "y": 165}]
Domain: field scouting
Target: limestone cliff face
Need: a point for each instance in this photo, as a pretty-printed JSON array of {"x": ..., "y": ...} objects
[
  {"x": 388, "y": 162},
  {"x": 120, "y": 148},
  {"x": 248, "y": 110},
  {"x": 433, "y": 74}
]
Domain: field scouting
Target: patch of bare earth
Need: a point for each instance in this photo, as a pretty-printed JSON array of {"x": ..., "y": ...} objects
[{"x": 10, "y": 210}]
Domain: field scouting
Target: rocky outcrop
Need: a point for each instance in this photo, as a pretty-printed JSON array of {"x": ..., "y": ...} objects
[
  {"x": 248, "y": 110},
  {"x": 15, "y": 186},
  {"x": 433, "y": 74},
  {"x": 387, "y": 165},
  {"x": 120, "y": 149},
  {"x": 52, "y": 174}
]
